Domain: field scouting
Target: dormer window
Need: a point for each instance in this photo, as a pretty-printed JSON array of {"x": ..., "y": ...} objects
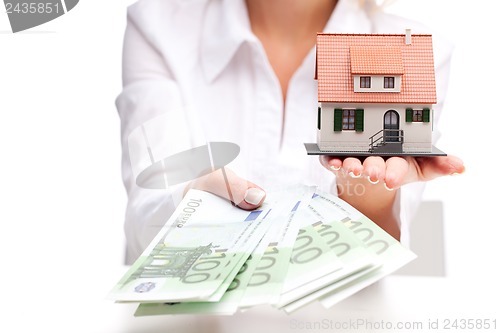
[
  {"x": 365, "y": 82},
  {"x": 389, "y": 82},
  {"x": 376, "y": 69},
  {"x": 377, "y": 83}
]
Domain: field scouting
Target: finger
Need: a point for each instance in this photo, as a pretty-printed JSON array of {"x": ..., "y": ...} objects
[
  {"x": 433, "y": 167},
  {"x": 226, "y": 184},
  {"x": 331, "y": 163},
  {"x": 374, "y": 169},
  {"x": 353, "y": 167},
  {"x": 395, "y": 172}
]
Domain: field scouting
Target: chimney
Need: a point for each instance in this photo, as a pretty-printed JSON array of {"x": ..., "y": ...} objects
[{"x": 408, "y": 37}]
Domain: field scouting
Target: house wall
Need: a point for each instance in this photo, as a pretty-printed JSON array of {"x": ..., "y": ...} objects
[{"x": 417, "y": 135}]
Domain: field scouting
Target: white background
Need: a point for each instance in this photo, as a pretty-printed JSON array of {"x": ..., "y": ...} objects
[{"x": 61, "y": 198}]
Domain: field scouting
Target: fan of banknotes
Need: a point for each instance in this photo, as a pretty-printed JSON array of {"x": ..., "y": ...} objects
[{"x": 300, "y": 246}]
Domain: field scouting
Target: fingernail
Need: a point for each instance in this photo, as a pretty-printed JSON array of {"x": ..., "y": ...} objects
[
  {"x": 458, "y": 165},
  {"x": 334, "y": 168},
  {"x": 353, "y": 175},
  {"x": 388, "y": 188},
  {"x": 374, "y": 182},
  {"x": 457, "y": 173},
  {"x": 254, "y": 196}
]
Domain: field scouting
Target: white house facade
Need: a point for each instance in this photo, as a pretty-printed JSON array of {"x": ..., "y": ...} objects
[{"x": 360, "y": 127}]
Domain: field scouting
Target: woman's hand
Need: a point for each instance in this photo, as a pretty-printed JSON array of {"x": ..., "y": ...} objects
[
  {"x": 226, "y": 184},
  {"x": 369, "y": 185},
  {"x": 395, "y": 171}
]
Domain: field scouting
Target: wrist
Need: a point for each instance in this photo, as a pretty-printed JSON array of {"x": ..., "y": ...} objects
[{"x": 373, "y": 200}]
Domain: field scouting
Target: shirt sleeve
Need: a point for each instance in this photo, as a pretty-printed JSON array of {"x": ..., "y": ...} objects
[{"x": 153, "y": 127}]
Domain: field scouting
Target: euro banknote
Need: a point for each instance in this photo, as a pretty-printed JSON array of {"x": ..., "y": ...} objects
[
  {"x": 300, "y": 246},
  {"x": 392, "y": 254},
  {"x": 200, "y": 248}
]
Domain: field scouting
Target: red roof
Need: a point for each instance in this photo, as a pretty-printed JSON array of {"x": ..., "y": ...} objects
[{"x": 340, "y": 56}]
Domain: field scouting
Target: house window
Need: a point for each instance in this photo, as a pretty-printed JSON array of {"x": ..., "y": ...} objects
[
  {"x": 417, "y": 116},
  {"x": 389, "y": 82},
  {"x": 348, "y": 119},
  {"x": 365, "y": 82}
]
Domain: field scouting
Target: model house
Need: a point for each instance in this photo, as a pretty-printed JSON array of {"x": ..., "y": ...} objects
[{"x": 375, "y": 94}]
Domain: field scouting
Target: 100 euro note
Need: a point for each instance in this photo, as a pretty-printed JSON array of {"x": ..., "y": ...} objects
[
  {"x": 392, "y": 255},
  {"x": 235, "y": 288},
  {"x": 227, "y": 305},
  {"x": 230, "y": 301},
  {"x": 266, "y": 281},
  {"x": 204, "y": 242},
  {"x": 357, "y": 259},
  {"x": 316, "y": 266},
  {"x": 311, "y": 257},
  {"x": 353, "y": 255}
]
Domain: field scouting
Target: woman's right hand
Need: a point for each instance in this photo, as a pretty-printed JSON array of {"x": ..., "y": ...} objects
[{"x": 226, "y": 184}]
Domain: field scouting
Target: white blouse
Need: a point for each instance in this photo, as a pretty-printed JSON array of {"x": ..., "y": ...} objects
[{"x": 193, "y": 72}]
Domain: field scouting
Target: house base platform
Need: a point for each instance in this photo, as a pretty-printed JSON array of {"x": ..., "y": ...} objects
[{"x": 313, "y": 149}]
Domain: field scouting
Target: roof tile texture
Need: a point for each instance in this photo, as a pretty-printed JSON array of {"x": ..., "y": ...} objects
[
  {"x": 339, "y": 56},
  {"x": 376, "y": 60}
]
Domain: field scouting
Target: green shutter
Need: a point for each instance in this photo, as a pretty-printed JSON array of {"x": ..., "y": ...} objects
[
  {"x": 409, "y": 115},
  {"x": 319, "y": 117},
  {"x": 359, "y": 119},
  {"x": 426, "y": 116},
  {"x": 337, "y": 120}
]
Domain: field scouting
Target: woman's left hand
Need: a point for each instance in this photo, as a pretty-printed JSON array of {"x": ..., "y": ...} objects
[
  {"x": 368, "y": 185},
  {"x": 395, "y": 171}
]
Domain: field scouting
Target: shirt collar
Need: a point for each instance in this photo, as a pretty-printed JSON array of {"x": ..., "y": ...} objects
[
  {"x": 231, "y": 25},
  {"x": 225, "y": 29}
]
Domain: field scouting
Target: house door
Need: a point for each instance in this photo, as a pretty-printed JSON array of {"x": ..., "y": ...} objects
[{"x": 391, "y": 123}]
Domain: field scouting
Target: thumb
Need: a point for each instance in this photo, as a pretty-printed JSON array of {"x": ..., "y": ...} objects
[
  {"x": 226, "y": 184},
  {"x": 433, "y": 167}
]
